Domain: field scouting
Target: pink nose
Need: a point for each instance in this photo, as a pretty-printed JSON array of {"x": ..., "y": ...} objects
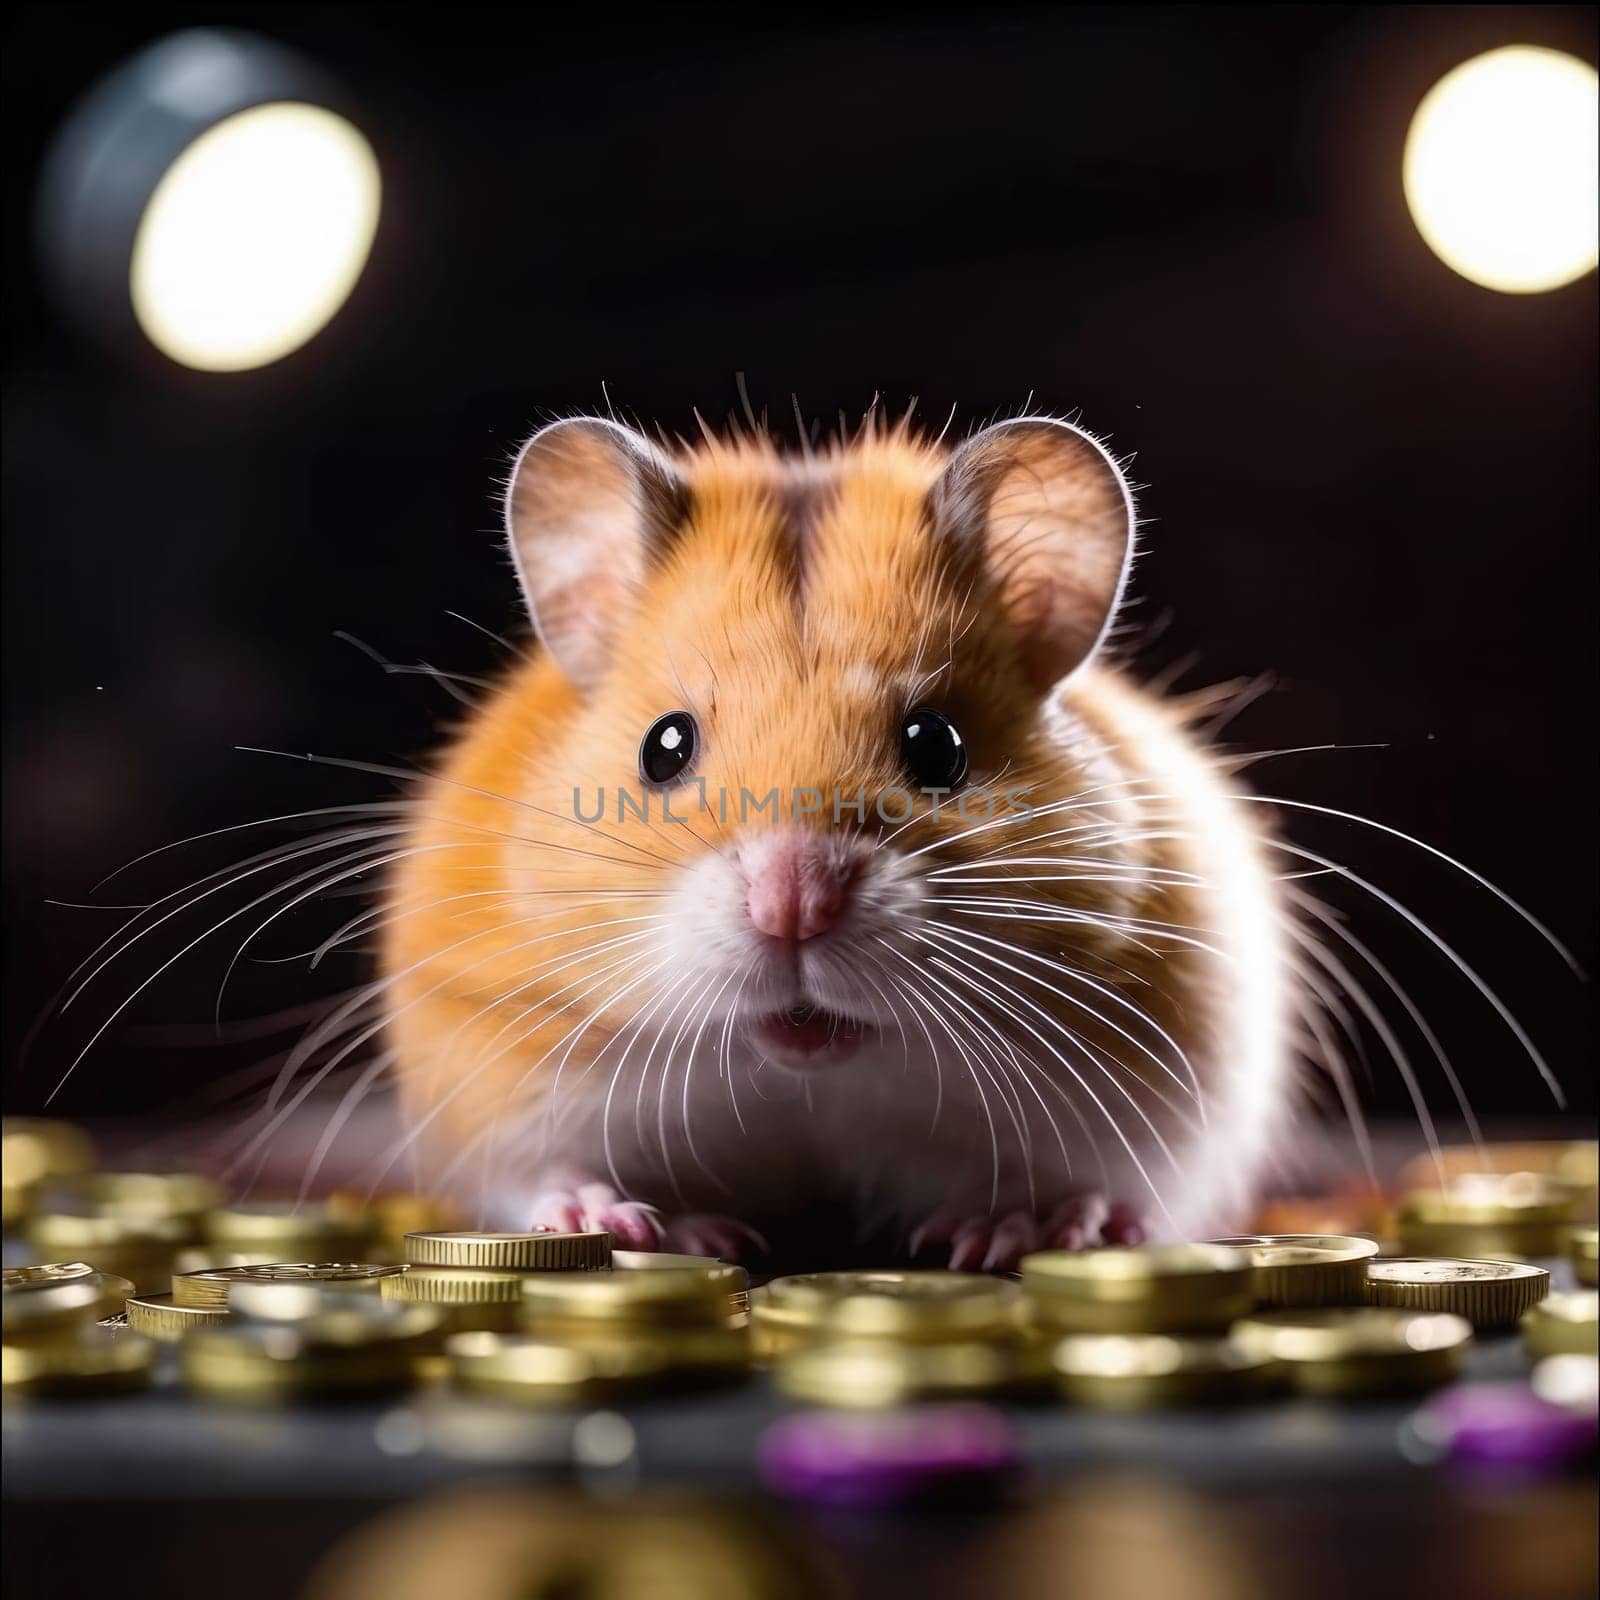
[{"x": 797, "y": 887}]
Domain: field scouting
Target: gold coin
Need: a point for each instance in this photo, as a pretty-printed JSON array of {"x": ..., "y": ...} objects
[
  {"x": 668, "y": 1261},
  {"x": 214, "y": 1287},
  {"x": 1358, "y": 1350},
  {"x": 295, "y": 1299},
  {"x": 1187, "y": 1288},
  {"x": 1306, "y": 1269},
  {"x": 1563, "y": 1325},
  {"x": 468, "y": 1298},
  {"x": 455, "y": 1286},
  {"x": 573, "y": 1304},
  {"x": 290, "y": 1230},
  {"x": 1583, "y": 1251},
  {"x": 18, "y": 1202},
  {"x": 149, "y": 1194},
  {"x": 139, "y": 1248},
  {"x": 545, "y": 1372},
  {"x": 34, "y": 1149},
  {"x": 1573, "y": 1162},
  {"x": 523, "y": 1252},
  {"x": 1489, "y": 1294},
  {"x": 160, "y": 1317},
  {"x": 89, "y": 1360},
  {"x": 917, "y": 1307},
  {"x": 40, "y": 1302},
  {"x": 863, "y": 1374},
  {"x": 1129, "y": 1372},
  {"x": 1487, "y": 1215},
  {"x": 369, "y": 1350}
]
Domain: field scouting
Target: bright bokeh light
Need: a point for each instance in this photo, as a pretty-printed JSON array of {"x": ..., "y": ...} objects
[
  {"x": 255, "y": 237},
  {"x": 1500, "y": 169}
]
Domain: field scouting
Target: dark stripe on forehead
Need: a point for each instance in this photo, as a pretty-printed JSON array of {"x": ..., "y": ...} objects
[{"x": 804, "y": 493}]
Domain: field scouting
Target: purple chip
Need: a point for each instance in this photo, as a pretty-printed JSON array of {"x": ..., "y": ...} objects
[
  {"x": 1504, "y": 1428},
  {"x": 885, "y": 1458}
]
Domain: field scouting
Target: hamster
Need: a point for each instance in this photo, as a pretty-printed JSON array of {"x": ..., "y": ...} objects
[{"x": 818, "y": 863}]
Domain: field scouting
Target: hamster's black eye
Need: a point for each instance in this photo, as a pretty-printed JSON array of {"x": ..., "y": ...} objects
[
  {"x": 932, "y": 749},
  {"x": 667, "y": 748}
]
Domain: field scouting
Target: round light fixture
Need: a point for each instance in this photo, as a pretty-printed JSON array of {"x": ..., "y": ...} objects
[
  {"x": 1500, "y": 169},
  {"x": 209, "y": 198}
]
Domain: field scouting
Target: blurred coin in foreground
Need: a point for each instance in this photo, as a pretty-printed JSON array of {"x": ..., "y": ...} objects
[
  {"x": 337, "y": 1353},
  {"x": 1127, "y": 1372},
  {"x": 1563, "y": 1324},
  {"x": 537, "y": 1371},
  {"x": 502, "y": 1542},
  {"x": 1358, "y": 1350},
  {"x": 86, "y": 1360},
  {"x": 868, "y": 1374},
  {"x": 1583, "y": 1251},
  {"x": 1189, "y": 1288},
  {"x": 213, "y": 1287},
  {"x": 41, "y": 1302}
]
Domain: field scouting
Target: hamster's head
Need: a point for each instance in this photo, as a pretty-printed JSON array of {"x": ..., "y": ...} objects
[{"x": 808, "y": 746}]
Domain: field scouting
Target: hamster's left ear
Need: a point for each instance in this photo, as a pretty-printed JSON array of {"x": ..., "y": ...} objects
[
  {"x": 589, "y": 506},
  {"x": 1046, "y": 511}
]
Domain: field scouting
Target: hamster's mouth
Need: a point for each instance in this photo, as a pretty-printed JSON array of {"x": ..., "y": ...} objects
[{"x": 808, "y": 1036}]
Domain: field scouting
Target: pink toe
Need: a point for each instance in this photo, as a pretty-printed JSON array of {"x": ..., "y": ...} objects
[
  {"x": 1075, "y": 1223},
  {"x": 558, "y": 1211},
  {"x": 634, "y": 1227},
  {"x": 1012, "y": 1240},
  {"x": 722, "y": 1238},
  {"x": 938, "y": 1229},
  {"x": 1123, "y": 1226},
  {"x": 969, "y": 1246}
]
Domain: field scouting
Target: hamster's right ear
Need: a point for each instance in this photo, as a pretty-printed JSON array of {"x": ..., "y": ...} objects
[{"x": 587, "y": 505}]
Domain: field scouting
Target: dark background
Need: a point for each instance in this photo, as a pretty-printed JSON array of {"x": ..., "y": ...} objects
[{"x": 1367, "y": 477}]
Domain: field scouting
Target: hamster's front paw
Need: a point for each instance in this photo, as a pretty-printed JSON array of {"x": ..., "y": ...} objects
[
  {"x": 598, "y": 1208},
  {"x": 705, "y": 1234},
  {"x": 983, "y": 1244}
]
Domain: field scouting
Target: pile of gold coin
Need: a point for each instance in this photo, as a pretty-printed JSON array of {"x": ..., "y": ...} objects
[
  {"x": 555, "y": 1319},
  {"x": 261, "y": 1302}
]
